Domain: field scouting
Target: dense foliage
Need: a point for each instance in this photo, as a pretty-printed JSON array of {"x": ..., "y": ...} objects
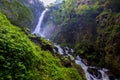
[
  {"x": 108, "y": 39},
  {"x": 22, "y": 13},
  {"x": 21, "y": 59},
  {"x": 91, "y": 27},
  {"x": 16, "y": 12}
]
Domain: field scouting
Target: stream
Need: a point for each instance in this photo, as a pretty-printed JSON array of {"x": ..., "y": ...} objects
[
  {"x": 98, "y": 74},
  {"x": 91, "y": 72}
]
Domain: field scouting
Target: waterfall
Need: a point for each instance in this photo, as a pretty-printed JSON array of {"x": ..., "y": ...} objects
[
  {"x": 99, "y": 75},
  {"x": 38, "y": 28}
]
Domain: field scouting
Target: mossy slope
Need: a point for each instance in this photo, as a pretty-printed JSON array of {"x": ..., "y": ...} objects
[{"x": 21, "y": 59}]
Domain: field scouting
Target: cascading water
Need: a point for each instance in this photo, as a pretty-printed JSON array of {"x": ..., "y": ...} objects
[
  {"x": 38, "y": 28},
  {"x": 99, "y": 75}
]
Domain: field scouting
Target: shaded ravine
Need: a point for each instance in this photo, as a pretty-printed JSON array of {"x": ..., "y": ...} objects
[{"x": 99, "y": 74}]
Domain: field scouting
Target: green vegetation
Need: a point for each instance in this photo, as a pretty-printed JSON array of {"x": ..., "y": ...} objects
[
  {"x": 108, "y": 40},
  {"x": 21, "y": 59},
  {"x": 92, "y": 28},
  {"x": 16, "y": 12}
]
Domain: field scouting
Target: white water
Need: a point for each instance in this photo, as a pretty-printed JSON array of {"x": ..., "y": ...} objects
[
  {"x": 66, "y": 51},
  {"x": 88, "y": 75},
  {"x": 60, "y": 50},
  {"x": 38, "y": 28},
  {"x": 78, "y": 61}
]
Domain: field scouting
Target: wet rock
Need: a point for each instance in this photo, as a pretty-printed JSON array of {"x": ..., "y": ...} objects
[
  {"x": 66, "y": 48},
  {"x": 95, "y": 73},
  {"x": 111, "y": 76},
  {"x": 85, "y": 61},
  {"x": 56, "y": 49},
  {"x": 71, "y": 50}
]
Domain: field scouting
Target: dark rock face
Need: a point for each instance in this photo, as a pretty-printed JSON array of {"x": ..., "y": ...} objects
[
  {"x": 36, "y": 7},
  {"x": 44, "y": 45}
]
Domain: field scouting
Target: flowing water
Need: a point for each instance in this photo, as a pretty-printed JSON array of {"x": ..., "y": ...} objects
[
  {"x": 38, "y": 28},
  {"x": 99, "y": 74}
]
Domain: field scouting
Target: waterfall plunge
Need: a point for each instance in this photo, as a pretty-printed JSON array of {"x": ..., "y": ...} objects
[{"x": 38, "y": 28}]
